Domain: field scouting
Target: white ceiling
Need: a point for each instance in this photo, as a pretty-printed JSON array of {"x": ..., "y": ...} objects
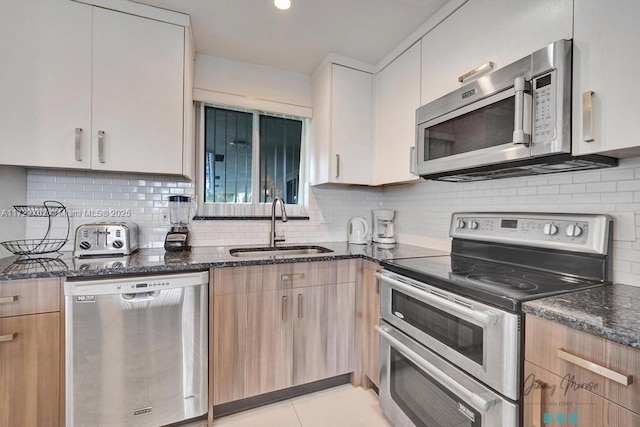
[{"x": 255, "y": 31}]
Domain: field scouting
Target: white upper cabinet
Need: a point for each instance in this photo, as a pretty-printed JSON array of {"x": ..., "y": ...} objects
[
  {"x": 137, "y": 94},
  {"x": 45, "y": 82},
  {"x": 341, "y": 129},
  {"x": 606, "y": 56},
  {"x": 500, "y": 31},
  {"x": 93, "y": 88},
  {"x": 397, "y": 96}
]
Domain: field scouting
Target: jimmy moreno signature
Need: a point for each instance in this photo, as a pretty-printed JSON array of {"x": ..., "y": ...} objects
[{"x": 568, "y": 383}]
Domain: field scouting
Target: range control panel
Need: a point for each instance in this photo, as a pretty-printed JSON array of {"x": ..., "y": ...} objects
[{"x": 571, "y": 232}]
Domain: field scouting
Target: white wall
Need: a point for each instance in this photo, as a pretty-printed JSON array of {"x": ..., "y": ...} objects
[
  {"x": 424, "y": 208},
  {"x": 219, "y": 79},
  {"x": 13, "y": 191}
]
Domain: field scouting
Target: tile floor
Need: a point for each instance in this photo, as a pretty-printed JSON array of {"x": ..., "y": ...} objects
[{"x": 342, "y": 406}]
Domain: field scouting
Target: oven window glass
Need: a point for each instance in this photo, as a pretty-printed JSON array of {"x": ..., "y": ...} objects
[
  {"x": 458, "y": 334},
  {"x": 423, "y": 400},
  {"x": 482, "y": 128}
]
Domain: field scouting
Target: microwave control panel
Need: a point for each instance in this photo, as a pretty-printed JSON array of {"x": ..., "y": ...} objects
[{"x": 544, "y": 107}]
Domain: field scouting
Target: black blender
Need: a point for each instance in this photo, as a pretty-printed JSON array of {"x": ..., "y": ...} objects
[{"x": 180, "y": 210}]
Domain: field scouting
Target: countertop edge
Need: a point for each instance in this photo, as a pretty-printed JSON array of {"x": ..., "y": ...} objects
[{"x": 537, "y": 308}]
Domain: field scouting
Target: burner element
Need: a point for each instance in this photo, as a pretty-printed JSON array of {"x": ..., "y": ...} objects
[{"x": 515, "y": 283}]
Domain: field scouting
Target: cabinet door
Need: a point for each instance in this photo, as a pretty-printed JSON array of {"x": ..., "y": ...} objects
[
  {"x": 351, "y": 126},
  {"x": 45, "y": 82},
  {"x": 268, "y": 342},
  {"x": 606, "y": 34},
  {"x": 501, "y": 31},
  {"x": 553, "y": 400},
  {"x": 371, "y": 319},
  {"x": 229, "y": 327},
  {"x": 323, "y": 332},
  {"x": 30, "y": 370},
  {"x": 397, "y": 98},
  {"x": 137, "y": 94}
]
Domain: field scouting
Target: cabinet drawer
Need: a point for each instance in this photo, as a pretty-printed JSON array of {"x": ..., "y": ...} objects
[
  {"x": 18, "y": 297},
  {"x": 583, "y": 359},
  {"x": 304, "y": 274},
  {"x": 550, "y": 401}
]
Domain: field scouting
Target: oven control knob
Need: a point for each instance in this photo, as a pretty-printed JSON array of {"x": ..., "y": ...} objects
[
  {"x": 573, "y": 230},
  {"x": 550, "y": 229},
  {"x": 473, "y": 225},
  {"x": 461, "y": 224}
]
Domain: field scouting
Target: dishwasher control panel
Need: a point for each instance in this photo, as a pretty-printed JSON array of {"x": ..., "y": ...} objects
[{"x": 134, "y": 284}]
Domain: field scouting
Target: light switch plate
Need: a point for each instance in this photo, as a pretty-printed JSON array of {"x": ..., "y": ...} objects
[{"x": 624, "y": 226}]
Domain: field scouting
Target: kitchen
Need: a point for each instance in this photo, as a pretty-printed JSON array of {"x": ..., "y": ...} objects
[{"x": 423, "y": 208}]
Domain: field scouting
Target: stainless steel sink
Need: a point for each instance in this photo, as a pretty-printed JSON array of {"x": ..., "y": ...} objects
[{"x": 267, "y": 252}]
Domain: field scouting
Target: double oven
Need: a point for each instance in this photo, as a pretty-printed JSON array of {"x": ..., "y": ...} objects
[{"x": 451, "y": 326}]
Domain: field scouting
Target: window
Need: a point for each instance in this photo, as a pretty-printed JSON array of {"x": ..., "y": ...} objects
[{"x": 247, "y": 159}]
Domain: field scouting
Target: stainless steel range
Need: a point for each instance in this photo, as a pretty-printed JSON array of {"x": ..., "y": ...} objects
[{"x": 451, "y": 326}]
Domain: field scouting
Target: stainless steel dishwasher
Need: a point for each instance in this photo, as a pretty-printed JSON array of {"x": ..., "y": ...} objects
[{"x": 136, "y": 350}]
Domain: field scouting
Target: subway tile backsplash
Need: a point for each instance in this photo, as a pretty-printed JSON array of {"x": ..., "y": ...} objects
[
  {"x": 423, "y": 208},
  {"x": 97, "y": 197}
]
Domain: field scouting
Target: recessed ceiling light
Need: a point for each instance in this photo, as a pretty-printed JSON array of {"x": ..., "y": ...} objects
[{"x": 282, "y": 4}]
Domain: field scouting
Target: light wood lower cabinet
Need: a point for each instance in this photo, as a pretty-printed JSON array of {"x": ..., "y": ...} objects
[
  {"x": 30, "y": 353},
  {"x": 276, "y": 326},
  {"x": 370, "y": 319},
  {"x": 30, "y": 370},
  {"x": 575, "y": 378},
  {"x": 552, "y": 400}
]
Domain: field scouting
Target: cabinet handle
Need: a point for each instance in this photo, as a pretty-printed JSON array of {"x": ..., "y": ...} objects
[
  {"x": 520, "y": 86},
  {"x": 412, "y": 160},
  {"x": 6, "y": 300},
  {"x": 595, "y": 368},
  {"x": 537, "y": 403},
  {"x": 299, "y": 306},
  {"x": 337, "y": 165},
  {"x": 377, "y": 285},
  {"x": 292, "y": 276},
  {"x": 10, "y": 337},
  {"x": 284, "y": 308},
  {"x": 479, "y": 69},
  {"x": 587, "y": 116},
  {"x": 101, "y": 146},
  {"x": 78, "y": 146}
]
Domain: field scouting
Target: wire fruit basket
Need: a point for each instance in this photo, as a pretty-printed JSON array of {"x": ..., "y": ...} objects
[{"x": 47, "y": 244}]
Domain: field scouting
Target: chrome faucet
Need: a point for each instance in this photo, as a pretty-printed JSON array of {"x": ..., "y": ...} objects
[{"x": 283, "y": 213}]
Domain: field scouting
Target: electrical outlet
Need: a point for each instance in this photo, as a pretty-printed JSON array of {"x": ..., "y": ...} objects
[
  {"x": 624, "y": 226},
  {"x": 164, "y": 216}
]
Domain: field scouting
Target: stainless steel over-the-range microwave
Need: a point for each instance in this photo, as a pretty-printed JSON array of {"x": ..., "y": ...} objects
[{"x": 515, "y": 121}]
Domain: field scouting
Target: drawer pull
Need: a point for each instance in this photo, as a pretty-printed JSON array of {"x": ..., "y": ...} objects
[
  {"x": 292, "y": 276},
  {"x": 9, "y": 337},
  {"x": 6, "y": 300},
  {"x": 595, "y": 368}
]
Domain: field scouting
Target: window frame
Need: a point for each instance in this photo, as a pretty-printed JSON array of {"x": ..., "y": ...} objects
[{"x": 254, "y": 209}]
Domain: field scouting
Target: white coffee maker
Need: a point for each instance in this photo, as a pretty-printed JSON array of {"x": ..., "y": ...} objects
[{"x": 383, "y": 226}]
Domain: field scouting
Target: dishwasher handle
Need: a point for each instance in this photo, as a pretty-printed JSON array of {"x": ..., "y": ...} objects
[{"x": 141, "y": 296}]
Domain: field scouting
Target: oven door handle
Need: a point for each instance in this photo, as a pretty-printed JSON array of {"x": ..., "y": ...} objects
[
  {"x": 482, "y": 318},
  {"x": 478, "y": 402}
]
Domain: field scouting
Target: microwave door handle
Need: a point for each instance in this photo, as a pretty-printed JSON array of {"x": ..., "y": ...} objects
[
  {"x": 483, "y": 318},
  {"x": 520, "y": 86},
  {"x": 478, "y": 402}
]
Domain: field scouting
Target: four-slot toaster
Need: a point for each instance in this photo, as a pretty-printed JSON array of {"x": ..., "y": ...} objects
[{"x": 105, "y": 239}]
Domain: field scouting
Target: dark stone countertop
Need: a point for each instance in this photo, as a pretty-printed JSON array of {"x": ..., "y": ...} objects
[
  {"x": 609, "y": 312},
  {"x": 150, "y": 261}
]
